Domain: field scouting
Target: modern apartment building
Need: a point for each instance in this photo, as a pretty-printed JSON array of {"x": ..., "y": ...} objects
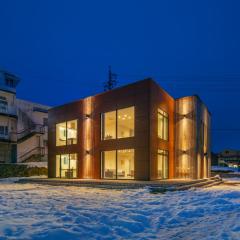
[
  {"x": 133, "y": 132},
  {"x": 23, "y": 125}
]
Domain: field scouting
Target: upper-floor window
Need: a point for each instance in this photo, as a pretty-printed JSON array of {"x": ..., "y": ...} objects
[
  {"x": 10, "y": 82},
  {"x": 45, "y": 121},
  {"x": 4, "y": 130},
  {"x": 108, "y": 125},
  {"x": 125, "y": 122},
  {"x": 3, "y": 104},
  {"x": 162, "y": 124},
  {"x": 66, "y": 133},
  {"x": 117, "y": 124}
]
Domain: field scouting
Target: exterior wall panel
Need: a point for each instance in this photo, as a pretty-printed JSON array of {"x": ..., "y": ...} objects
[
  {"x": 136, "y": 95},
  {"x": 192, "y": 134},
  {"x": 161, "y": 100}
]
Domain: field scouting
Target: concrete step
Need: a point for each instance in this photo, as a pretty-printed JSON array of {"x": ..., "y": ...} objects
[
  {"x": 204, "y": 184},
  {"x": 153, "y": 186},
  {"x": 201, "y": 184}
]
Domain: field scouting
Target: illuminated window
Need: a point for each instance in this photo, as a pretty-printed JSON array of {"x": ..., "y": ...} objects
[
  {"x": 125, "y": 122},
  {"x": 125, "y": 164},
  {"x": 162, "y": 164},
  {"x": 117, "y": 124},
  {"x": 66, "y": 133},
  {"x": 162, "y": 125},
  {"x": 108, "y": 123},
  {"x": 72, "y": 132},
  {"x": 118, "y": 164},
  {"x": 66, "y": 165},
  {"x": 73, "y": 165},
  {"x": 61, "y": 134},
  {"x": 109, "y": 164}
]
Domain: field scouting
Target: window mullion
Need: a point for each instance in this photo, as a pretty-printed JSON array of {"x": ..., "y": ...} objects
[
  {"x": 60, "y": 165},
  {"x": 69, "y": 162},
  {"x": 116, "y": 157},
  {"x": 116, "y": 124}
]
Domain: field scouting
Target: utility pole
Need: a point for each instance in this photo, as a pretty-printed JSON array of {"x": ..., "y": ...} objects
[{"x": 112, "y": 80}]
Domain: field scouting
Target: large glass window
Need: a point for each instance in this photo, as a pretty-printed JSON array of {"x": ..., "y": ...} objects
[
  {"x": 162, "y": 164},
  {"x": 118, "y": 164},
  {"x": 73, "y": 165},
  {"x": 162, "y": 125},
  {"x": 66, "y": 165},
  {"x": 125, "y": 164},
  {"x": 109, "y": 164},
  {"x": 117, "y": 124},
  {"x": 125, "y": 122},
  {"x": 61, "y": 134},
  {"x": 66, "y": 133},
  {"x": 108, "y": 123},
  {"x": 72, "y": 132}
]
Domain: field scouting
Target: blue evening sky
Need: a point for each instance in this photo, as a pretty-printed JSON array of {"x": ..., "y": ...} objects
[{"x": 61, "y": 49}]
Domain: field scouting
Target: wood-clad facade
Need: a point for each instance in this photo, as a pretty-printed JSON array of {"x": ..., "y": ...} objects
[{"x": 142, "y": 151}]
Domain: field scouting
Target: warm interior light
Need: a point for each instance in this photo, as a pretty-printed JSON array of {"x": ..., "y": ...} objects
[{"x": 87, "y": 138}]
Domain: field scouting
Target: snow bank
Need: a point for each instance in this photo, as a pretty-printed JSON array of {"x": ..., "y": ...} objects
[{"x": 31, "y": 211}]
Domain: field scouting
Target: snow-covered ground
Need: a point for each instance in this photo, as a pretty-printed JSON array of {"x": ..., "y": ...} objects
[{"x": 29, "y": 211}]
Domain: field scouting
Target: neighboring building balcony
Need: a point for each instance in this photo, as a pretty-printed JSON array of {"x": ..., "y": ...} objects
[
  {"x": 8, "y": 111},
  {"x": 29, "y": 132},
  {"x": 35, "y": 154}
]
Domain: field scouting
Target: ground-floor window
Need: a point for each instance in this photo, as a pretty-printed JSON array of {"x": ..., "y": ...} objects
[
  {"x": 162, "y": 164},
  {"x": 66, "y": 165},
  {"x": 117, "y": 164}
]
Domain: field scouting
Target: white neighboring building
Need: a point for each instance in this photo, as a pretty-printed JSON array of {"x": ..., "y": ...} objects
[
  {"x": 32, "y": 131},
  {"x": 8, "y": 117},
  {"x": 23, "y": 125}
]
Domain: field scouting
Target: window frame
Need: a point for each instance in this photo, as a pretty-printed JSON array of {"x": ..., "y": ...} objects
[
  {"x": 66, "y": 127},
  {"x": 60, "y": 165},
  {"x": 102, "y": 127},
  {"x": 165, "y": 115},
  {"x": 116, "y": 164},
  {"x": 164, "y": 154},
  {"x": 4, "y": 131}
]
